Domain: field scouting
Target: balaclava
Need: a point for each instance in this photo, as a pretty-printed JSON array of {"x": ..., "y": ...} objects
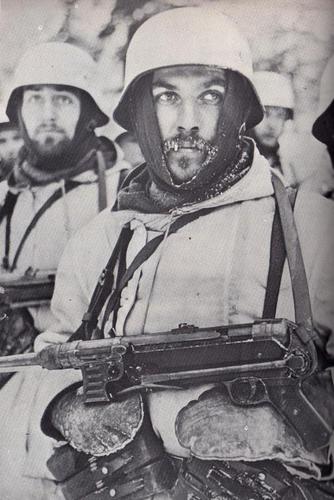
[
  {"x": 224, "y": 167},
  {"x": 34, "y": 169}
]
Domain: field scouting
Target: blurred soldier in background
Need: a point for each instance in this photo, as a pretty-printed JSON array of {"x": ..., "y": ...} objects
[
  {"x": 276, "y": 94},
  {"x": 130, "y": 147},
  {"x": 197, "y": 226},
  {"x": 323, "y": 130},
  {"x": 10, "y": 144}
]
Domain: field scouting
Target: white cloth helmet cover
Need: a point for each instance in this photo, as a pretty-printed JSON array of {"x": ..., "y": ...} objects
[
  {"x": 274, "y": 89},
  {"x": 186, "y": 36},
  {"x": 55, "y": 63}
]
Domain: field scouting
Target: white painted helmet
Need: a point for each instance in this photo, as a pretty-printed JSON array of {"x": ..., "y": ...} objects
[
  {"x": 187, "y": 36},
  {"x": 325, "y": 98},
  {"x": 56, "y": 63},
  {"x": 274, "y": 89}
]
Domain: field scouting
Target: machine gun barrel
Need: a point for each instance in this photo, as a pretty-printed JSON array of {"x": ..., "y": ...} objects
[{"x": 18, "y": 362}]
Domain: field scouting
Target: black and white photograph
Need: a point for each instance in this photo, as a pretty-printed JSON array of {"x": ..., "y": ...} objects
[{"x": 166, "y": 249}]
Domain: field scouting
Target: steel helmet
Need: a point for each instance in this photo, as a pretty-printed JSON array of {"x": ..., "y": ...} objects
[
  {"x": 56, "y": 63},
  {"x": 274, "y": 89},
  {"x": 325, "y": 98},
  {"x": 187, "y": 36}
]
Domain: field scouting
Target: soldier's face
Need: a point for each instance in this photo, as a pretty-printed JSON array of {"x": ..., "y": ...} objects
[
  {"x": 271, "y": 128},
  {"x": 50, "y": 114},
  {"x": 188, "y": 101},
  {"x": 10, "y": 144}
]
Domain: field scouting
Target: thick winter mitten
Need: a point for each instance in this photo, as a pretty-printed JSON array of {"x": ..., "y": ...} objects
[
  {"x": 98, "y": 429},
  {"x": 139, "y": 471},
  {"x": 213, "y": 427}
]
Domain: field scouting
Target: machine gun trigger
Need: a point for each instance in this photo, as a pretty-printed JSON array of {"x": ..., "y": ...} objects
[
  {"x": 247, "y": 391},
  {"x": 100, "y": 374}
]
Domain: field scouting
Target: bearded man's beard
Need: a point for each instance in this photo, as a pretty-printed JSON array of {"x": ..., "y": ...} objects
[
  {"x": 189, "y": 144},
  {"x": 51, "y": 148}
]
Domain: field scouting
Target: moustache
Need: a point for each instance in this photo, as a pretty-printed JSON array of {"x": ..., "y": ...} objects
[
  {"x": 49, "y": 128},
  {"x": 195, "y": 143}
]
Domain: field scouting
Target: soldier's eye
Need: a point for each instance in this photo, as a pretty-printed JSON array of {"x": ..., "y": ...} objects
[
  {"x": 212, "y": 97},
  {"x": 64, "y": 99},
  {"x": 35, "y": 98},
  {"x": 167, "y": 97}
]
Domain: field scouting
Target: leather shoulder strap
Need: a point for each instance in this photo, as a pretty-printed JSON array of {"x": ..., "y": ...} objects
[
  {"x": 49, "y": 202},
  {"x": 300, "y": 289},
  {"x": 276, "y": 261},
  {"x": 6, "y": 212},
  {"x": 104, "y": 287},
  {"x": 101, "y": 173}
]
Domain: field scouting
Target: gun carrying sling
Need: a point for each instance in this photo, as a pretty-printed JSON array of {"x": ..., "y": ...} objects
[
  {"x": 6, "y": 211},
  {"x": 11, "y": 199},
  {"x": 69, "y": 185},
  {"x": 276, "y": 262},
  {"x": 104, "y": 286}
]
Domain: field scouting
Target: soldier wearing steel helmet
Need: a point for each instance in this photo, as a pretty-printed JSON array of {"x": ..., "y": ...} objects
[
  {"x": 10, "y": 144},
  {"x": 188, "y": 98},
  {"x": 276, "y": 94},
  {"x": 56, "y": 109}
]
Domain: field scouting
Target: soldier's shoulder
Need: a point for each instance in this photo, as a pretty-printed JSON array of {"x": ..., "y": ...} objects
[{"x": 106, "y": 226}]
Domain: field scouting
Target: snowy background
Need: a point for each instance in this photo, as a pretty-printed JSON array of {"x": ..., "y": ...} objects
[{"x": 295, "y": 37}]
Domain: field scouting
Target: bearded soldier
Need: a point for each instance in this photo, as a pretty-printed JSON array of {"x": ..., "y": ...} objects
[
  {"x": 65, "y": 174},
  {"x": 193, "y": 231}
]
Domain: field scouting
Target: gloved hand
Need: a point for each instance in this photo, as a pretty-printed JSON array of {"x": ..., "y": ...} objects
[
  {"x": 139, "y": 471},
  {"x": 98, "y": 429},
  {"x": 215, "y": 428}
]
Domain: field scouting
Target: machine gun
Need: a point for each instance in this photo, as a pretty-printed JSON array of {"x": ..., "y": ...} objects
[
  {"x": 26, "y": 290},
  {"x": 17, "y": 293},
  {"x": 264, "y": 362}
]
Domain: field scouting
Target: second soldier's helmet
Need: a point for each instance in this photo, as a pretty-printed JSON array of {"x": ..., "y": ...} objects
[
  {"x": 275, "y": 90},
  {"x": 55, "y": 63},
  {"x": 187, "y": 36}
]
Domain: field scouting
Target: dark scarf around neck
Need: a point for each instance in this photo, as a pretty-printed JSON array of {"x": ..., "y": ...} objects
[{"x": 144, "y": 195}]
